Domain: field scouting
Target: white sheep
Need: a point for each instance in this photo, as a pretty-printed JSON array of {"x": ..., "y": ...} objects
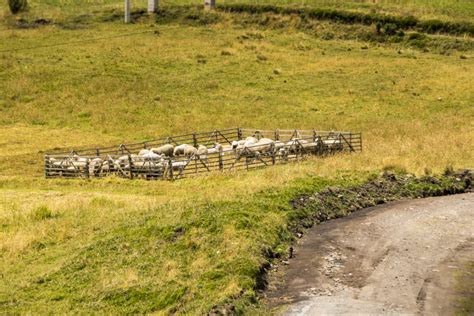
[
  {"x": 295, "y": 144},
  {"x": 202, "y": 152},
  {"x": 143, "y": 152},
  {"x": 190, "y": 151},
  {"x": 94, "y": 166},
  {"x": 151, "y": 156},
  {"x": 263, "y": 145},
  {"x": 214, "y": 150},
  {"x": 251, "y": 149},
  {"x": 179, "y": 150},
  {"x": 179, "y": 165},
  {"x": 166, "y": 150},
  {"x": 279, "y": 145}
]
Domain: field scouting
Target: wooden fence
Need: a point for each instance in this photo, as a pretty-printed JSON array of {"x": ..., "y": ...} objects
[{"x": 122, "y": 160}]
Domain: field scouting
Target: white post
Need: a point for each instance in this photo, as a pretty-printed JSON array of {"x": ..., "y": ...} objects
[
  {"x": 152, "y": 5},
  {"x": 209, "y": 4},
  {"x": 127, "y": 11}
]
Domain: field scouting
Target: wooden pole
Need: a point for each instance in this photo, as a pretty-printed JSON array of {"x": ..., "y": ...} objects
[
  {"x": 221, "y": 162},
  {"x": 46, "y": 166},
  {"x": 152, "y": 6},
  {"x": 209, "y": 4},
  {"x": 130, "y": 166},
  {"x": 195, "y": 143},
  {"x": 127, "y": 18},
  {"x": 170, "y": 164},
  {"x": 87, "y": 168},
  {"x": 273, "y": 153}
]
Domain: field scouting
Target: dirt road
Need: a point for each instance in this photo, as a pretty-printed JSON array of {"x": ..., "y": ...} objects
[{"x": 399, "y": 258}]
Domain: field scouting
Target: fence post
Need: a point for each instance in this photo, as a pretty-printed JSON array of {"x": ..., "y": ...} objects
[
  {"x": 170, "y": 166},
  {"x": 145, "y": 145},
  {"x": 152, "y": 6},
  {"x": 209, "y": 4},
  {"x": 195, "y": 140},
  {"x": 277, "y": 134},
  {"x": 46, "y": 166},
  {"x": 127, "y": 11},
  {"x": 86, "y": 171},
  {"x": 97, "y": 152},
  {"x": 273, "y": 153},
  {"x": 221, "y": 162},
  {"x": 130, "y": 166},
  {"x": 239, "y": 133}
]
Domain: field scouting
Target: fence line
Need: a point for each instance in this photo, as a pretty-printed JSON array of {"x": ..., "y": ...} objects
[{"x": 122, "y": 160}]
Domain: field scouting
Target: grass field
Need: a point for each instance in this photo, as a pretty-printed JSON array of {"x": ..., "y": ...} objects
[
  {"x": 458, "y": 10},
  {"x": 116, "y": 245}
]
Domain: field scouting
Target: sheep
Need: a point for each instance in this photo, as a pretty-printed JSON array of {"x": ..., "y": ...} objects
[
  {"x": 166, "y": 150},
  {"x": 94, "y": 166},
  {"x": 179, "y": 150},
  {"x": 202, "y": 152},
  {"x": 121, "y": 160},
  {"x": 282, "y": 153},
  {"x": 309, "y": 145},
  {"x": 332, "y": 143},
  {"x": 263, "y": 145},
  {"x": 249, "y": 141},
  {"x": 179, "y": 165},
  {"x": 279, "y": 145},
  {"x": 217, "y": 148},
  {"x": 190, "y": 151},
  {"x": 79, "y": 164},
  {"x": 151, "y": 156},
  {"x": 143, "y": 152},
  {"x": 295, "y": 144},
  {"x": 106, "y": 166},
  {"x": 184, "y": 149},
  {"x": 250, "y": 149}
]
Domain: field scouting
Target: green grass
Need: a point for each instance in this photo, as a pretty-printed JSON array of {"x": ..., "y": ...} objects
[
  {"x": 116, "y": 245},
  {"x": 201, "y": 255},
  {"x": 464, "y": 290}
]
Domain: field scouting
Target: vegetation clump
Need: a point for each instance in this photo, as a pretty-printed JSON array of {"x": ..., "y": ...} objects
[{"x": 389, "y": 22}]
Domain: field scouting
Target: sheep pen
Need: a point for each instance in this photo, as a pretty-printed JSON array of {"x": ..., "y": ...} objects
[{"x": 182, "y": 156}]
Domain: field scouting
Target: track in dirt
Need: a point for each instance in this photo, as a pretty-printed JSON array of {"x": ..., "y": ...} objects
[{"x": 395, "y": 258}]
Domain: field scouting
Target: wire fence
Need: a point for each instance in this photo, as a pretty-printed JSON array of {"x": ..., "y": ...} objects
[{"x": 187, "y": 155}]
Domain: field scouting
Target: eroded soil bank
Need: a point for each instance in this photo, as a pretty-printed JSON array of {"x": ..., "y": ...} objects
[{"x": 402, "y": 257}]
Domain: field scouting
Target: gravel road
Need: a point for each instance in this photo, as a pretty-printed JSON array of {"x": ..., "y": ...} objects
[{"x": 398, "y": 258}]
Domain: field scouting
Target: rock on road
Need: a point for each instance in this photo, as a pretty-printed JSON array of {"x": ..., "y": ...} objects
[{"x": 398, "y": 258}]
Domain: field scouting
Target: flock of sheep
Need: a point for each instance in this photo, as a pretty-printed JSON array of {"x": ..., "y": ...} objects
[{"x": 178, "y": 157}]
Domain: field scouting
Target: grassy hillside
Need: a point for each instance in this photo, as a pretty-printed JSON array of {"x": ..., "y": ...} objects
[
  {"x": 116, "y": 245},
  {"x": 459, "y": 10}
]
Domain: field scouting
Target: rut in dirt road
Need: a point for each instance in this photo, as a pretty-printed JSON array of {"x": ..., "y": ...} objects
[{"x": 389, "y": 259}]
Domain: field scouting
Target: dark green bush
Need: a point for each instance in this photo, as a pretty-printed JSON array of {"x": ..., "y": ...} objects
[
  {"x": 17, "y": 6},
  {"x": 455, "y": 28}
]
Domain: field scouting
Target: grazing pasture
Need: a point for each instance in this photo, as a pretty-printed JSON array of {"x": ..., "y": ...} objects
[{"x": 86, "y": 79}]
